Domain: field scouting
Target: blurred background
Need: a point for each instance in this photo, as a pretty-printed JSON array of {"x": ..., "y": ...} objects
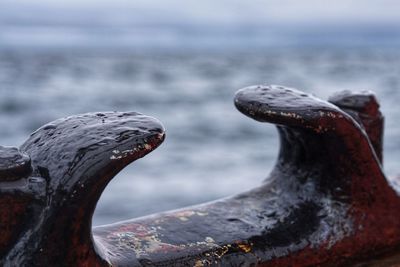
[{"x": 182, "y": 61}]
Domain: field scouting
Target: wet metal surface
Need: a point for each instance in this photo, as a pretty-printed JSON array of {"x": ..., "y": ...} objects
[
  {"x": 73, "y": 159},
  {"x": 326, "y": 202},
  {"x": 13, "y": 163}
]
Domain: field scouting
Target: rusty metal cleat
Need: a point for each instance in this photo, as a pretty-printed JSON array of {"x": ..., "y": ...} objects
[{"x": 326, "y": 202}]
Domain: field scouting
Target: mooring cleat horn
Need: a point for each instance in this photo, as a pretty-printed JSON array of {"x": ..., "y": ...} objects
[
  {"x": 76, "y": 157},
  {"x": 320, "y": 133},
  {"x": 278, "y": 104},
  {"x": 82, "y": 148},
  {"x": 291, "y": 107}
]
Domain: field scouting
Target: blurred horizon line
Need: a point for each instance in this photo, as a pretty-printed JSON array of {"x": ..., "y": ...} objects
[{"x": 195, "y": 37}]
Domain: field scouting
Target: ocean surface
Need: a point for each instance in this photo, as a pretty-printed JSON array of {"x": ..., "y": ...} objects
[{"x": 211, "y": 149}]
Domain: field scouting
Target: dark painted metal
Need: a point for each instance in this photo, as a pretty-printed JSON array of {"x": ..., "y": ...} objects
[
  {"x": 326, "y": 202},
  {"x": 46, "y": 217}
]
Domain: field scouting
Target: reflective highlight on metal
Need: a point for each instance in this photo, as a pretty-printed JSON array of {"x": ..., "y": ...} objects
[{"x": 325, "y": 203}]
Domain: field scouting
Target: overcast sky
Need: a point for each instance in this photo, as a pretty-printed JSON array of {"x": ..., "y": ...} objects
[
  {"x": 225, "y": 11},
  {"x": 17, "y": 17}
]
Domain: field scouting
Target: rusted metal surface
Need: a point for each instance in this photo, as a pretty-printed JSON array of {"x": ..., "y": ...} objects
[
  {"x": 326, "y": 202},
  {"x": 46, "y": 214}
]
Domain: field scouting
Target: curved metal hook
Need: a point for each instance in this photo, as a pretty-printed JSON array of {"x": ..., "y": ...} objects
[
  {"x": 318, "y": 134},
  {"x": 74, "y": 159}
]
